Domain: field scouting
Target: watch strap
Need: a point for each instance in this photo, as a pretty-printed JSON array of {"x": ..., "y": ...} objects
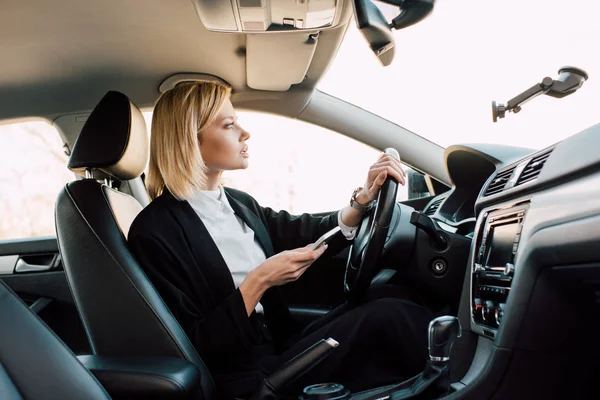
[{"x": 356, "y": 205}]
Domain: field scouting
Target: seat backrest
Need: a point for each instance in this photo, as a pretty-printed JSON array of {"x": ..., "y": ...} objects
[
  {"x": 34, "y": 363},
  {"x": 121, "y": 311}
]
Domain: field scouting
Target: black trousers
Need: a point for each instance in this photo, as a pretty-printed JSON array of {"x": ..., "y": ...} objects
[{"x": 381, "y": 341}]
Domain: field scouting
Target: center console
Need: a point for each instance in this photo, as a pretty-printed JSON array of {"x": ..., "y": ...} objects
[{"x": 493, "y": 266}]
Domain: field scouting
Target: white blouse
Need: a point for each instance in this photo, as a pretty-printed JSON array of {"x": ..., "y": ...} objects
[{"x": 234, "y": 239}]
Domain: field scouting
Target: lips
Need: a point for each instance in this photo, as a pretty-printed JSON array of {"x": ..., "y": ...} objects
[{"x": 244, "y": 152}]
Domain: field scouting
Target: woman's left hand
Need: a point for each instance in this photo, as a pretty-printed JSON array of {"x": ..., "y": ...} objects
[{"x": 386, "y": 165}]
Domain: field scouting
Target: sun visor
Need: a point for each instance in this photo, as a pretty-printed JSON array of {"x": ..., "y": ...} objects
[{"x": 275, "y": 62}]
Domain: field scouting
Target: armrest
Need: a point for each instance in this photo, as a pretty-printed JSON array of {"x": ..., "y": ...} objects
[
  {"x": 144, "y": 377},
  {"x": 276, "y": 383}
]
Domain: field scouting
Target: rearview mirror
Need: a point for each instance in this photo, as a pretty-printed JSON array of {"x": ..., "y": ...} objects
[
  {"x": 378, "y": 32},
  {"x": 375, "y": 29}
]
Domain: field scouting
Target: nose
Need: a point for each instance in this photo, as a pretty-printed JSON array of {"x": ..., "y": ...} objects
[{"x": 245, "y": 135}]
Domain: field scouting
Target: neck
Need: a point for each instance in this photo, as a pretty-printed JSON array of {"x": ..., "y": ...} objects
[{"x": 213, "y": 180}]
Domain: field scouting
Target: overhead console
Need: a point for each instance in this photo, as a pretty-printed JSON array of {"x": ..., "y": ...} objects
[
  {"x": 255, "y": 16},
  {"x": 493, "y": 267},
  {"x": 281, "y": 36}
]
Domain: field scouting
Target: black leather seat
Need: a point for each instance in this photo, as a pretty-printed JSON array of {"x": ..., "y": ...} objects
[
  {"x": 34, "y": 363},
  {"x": 122, "y": 313}
]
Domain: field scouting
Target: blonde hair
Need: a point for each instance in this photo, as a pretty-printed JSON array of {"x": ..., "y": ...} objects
[{"x": 180, "y": 116}]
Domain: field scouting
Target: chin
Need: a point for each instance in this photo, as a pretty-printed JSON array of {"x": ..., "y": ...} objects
[
  {"x": 241, "y": 165},
  {"x": 244, "y": 163}
]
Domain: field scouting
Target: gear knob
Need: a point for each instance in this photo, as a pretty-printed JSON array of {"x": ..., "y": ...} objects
[{"x": 443, "y": 331}]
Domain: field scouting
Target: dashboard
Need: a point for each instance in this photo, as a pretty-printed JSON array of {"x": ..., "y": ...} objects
[
  {"x": 469, "y": 167},
  {"x": 531, "y": 294}
]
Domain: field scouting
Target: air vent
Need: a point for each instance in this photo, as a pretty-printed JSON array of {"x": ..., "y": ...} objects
[
  {"x": 533, "y": 168},
  {"x": 499, "y": 182},
  {"x": 434, "y": 206}
]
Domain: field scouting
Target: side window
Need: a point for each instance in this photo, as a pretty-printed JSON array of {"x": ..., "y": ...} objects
[
  {"x": 32, "y": 172},
  {"x": 300, "y": 167}
]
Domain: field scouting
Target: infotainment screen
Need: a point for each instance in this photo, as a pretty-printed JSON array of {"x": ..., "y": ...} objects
[{"x": 501, "y": 244}]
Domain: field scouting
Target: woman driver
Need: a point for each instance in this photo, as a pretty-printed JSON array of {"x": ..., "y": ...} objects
[{"x": 217, "y": 258}]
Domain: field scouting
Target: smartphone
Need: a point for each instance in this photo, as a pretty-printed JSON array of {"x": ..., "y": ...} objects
[{"x": 325, "y": 238}]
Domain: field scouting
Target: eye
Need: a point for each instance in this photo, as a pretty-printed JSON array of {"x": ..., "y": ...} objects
[{"x": 229, "y": 126}]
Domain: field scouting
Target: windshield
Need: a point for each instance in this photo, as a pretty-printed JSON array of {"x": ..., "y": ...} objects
[{"x": 450, "y": 67}]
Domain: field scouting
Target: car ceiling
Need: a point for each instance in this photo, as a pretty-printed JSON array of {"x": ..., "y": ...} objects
[{"x": 60, "y": 57}]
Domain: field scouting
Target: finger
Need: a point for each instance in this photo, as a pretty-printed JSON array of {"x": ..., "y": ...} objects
[
  {"x": 311, "y": 256},
  {"x": 391, "y": 172},
  {"x": 394, "y": 160},
  {"x": 307, "y": 256},
  {"x": 395, "y": 171},
  {"x": 294, "y": 254},
  {"x": 390, "y": 163},
  {"x": 321, "y": 250},
  {"x": 398, "y": 163},
  {"x": 378, "y": 182},
  {"x": 388, "y": 157}
]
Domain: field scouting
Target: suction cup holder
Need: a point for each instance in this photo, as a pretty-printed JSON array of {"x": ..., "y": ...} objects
[{"x": 569, "y": 80}]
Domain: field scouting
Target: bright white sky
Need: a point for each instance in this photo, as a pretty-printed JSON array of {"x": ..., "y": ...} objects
[{"x": 450, "y": 67}]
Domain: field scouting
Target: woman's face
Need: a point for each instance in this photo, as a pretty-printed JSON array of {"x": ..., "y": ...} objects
[{"x": 223, "y": 143}]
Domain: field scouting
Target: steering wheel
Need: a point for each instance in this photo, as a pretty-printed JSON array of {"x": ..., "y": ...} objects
[{"x": 370, "y": 239}]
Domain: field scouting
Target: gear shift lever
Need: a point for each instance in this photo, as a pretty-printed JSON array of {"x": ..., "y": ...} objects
[
  {"x": 434, "y": 381},
  {"x": 443, "y": 331}
]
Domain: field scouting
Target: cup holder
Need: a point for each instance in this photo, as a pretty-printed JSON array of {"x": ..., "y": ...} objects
[{"x": 325, "y": 391}]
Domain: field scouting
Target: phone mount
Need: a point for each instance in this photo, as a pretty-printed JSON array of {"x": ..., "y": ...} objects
[{"x": 569, "y": 80}]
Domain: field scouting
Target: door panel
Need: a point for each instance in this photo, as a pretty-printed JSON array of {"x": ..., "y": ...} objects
[{"x": 32, "y": 268}]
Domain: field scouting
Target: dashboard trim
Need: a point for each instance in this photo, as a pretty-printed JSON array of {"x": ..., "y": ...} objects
[{"x": 519, "y": 203}]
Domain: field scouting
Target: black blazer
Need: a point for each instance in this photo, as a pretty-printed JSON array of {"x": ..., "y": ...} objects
[{"x": 177, "y": 253}]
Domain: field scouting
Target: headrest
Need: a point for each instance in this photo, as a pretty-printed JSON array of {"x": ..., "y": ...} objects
[{"x": 113, "y": 142}]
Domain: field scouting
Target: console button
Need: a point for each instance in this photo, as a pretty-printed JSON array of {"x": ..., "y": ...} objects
[
  {"x": 500, "y": 312},
  {"x": 488, "y": 312},
  {"x": 497, "y": 317},
  {"x": 478, "y": 268},
  {"x": 477, "y": 309},
  {"x": 509, "y": 269}
]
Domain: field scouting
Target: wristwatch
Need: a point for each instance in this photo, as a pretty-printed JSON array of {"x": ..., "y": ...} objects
[{"x": 356, "y": 205}]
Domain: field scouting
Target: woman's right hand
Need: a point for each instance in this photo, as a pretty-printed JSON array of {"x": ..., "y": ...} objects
[
  {"x": 287, "y": 266},
  {"x": 277, "y": 270}
]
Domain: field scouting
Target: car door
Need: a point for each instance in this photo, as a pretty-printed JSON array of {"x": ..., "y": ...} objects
[{"x": 33, "y": 170}]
